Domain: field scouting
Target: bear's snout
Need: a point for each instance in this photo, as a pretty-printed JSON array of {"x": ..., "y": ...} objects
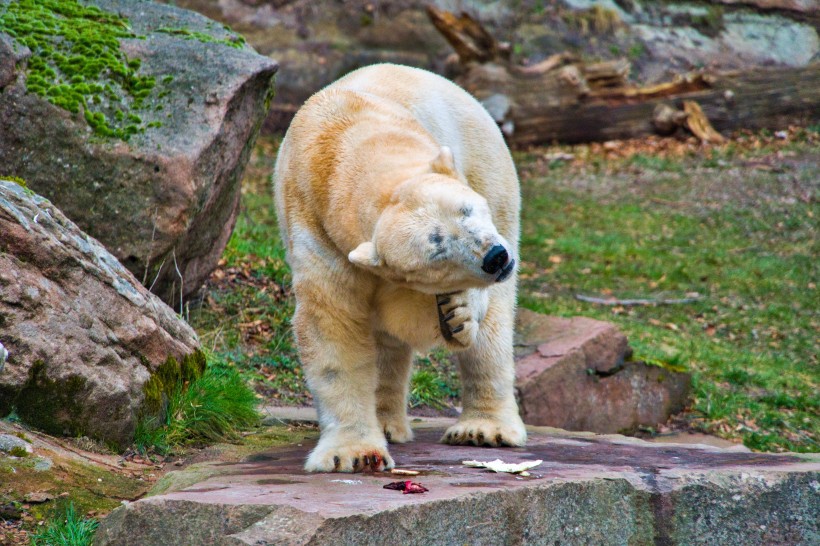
[{"x": 495, "y": 260}]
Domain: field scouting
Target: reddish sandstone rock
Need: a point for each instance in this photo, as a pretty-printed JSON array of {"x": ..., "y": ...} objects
[
  {"x": 588, "y": 490},
  {"x": 576, "y": 374},
  {"x": 82, "y": 334}
]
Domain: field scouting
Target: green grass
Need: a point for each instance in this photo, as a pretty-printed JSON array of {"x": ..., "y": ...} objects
[
  {"x": 211, "y": 408},
  {"x": 66, "y": 529},
  {"x": 740, "y": 240},
  {"x": 435, "y": 382}
]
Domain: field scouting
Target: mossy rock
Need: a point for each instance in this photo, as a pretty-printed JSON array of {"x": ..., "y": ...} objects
[
  {"x": 136, "y": 119},
  {"x": 77, "y": 63}
]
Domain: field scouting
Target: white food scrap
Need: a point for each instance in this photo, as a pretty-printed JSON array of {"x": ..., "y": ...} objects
[
  {"x": 500, "y": 466},
  {"x": 403, "y": 472}
]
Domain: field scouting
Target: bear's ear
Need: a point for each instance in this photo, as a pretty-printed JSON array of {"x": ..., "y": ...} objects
[
  {"x": 365, "y": 255},
  {"x": 444, "y": 163}
]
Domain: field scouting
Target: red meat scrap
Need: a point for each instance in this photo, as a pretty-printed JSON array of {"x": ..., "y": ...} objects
[{"x": 407, "y": 487}]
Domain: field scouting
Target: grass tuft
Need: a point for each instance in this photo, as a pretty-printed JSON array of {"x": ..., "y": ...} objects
[
  {"x": 211, "y": 408},
  {"x": 68, "y": 529}
]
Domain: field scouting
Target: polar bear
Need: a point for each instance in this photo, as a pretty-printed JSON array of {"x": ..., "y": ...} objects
[{"x": 399, "y": 205}]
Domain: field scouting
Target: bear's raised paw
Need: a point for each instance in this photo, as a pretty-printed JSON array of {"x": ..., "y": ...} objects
[{"x": 457, "y": 320}]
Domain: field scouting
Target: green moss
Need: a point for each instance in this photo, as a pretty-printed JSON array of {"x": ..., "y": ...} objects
[
  {"x": 77, "y": 63},
  {"x": 50, "y": 405},
  {"x": 16, "y": 179},
  {"x": 236, "y": 41},
  {"x": 271, "y": 93}
]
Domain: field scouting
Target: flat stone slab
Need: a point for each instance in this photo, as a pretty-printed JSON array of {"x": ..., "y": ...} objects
[{"x": 588, "y": 490}]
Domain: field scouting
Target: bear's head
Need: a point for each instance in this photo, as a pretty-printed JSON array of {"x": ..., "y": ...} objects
[{"x": 437, "y": 236}]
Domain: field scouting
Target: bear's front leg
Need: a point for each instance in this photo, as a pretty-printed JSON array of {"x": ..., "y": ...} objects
[
  {"x": 339, "y": 358},
  {"x": 459, "y": 316},
  {"x": 490, "y": 413}
]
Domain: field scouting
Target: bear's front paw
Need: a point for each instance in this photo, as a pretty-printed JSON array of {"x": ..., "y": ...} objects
[
  {"x": 487, "y": 432},
  {"x": 351, "y": 457},
  {"x": 397, "y": 430},
  {"x": 457, "y": 320}
]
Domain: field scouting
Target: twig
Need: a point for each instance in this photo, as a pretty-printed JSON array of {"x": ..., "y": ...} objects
[
  {"x": 628, "y": 303},
  {"x": 151, "y": 288},
  {"x": 180, "y": 282}
]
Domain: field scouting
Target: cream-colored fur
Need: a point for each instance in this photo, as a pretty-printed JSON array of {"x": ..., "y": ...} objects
[{"x": 392, "y": 184}]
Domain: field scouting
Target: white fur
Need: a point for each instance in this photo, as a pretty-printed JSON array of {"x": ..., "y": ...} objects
[{"x": 392, "y": 185}]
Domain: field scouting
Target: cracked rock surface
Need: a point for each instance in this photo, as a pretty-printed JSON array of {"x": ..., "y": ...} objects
[{"x": 589, "y": 490}]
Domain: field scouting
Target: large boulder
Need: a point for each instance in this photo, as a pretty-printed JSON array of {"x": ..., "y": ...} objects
[
  {"x": 82, "y": 335},
  {"x": 577, "y": 374},
  {"x": 137, "y": 120}
]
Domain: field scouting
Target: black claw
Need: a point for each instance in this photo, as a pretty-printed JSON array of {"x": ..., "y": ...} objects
[
  {"x": 457, "y": 329},
  {"x": 480, "y": 438},
  {"x": 366, "y": 460},
  {"x": 387, "y": 436},
  {"x": 449, "y": 315},
  {"x": 336, "y": 461},
  {"x": 443, "y": 326},
  {"x": 499, "y": 439},
  {"x": 443, "y": 301},
  {"x": 355, "y": 463},
  {"x": 470, "y": 435}
]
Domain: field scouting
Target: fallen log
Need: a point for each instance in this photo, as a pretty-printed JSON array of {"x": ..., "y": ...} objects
[{"x": 564, "y": 99}]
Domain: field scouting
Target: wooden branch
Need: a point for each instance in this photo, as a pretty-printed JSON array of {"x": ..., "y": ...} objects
[
  {"x": 468, "y": 37},
  {"x": 636, "y": 302},
  {"x": 698, "y": 123}
]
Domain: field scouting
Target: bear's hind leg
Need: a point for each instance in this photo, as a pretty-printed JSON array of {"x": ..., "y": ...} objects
[
  {"x": 395, "y": 359},
  {"x": 339, "y": 358},
  {"x": 490, "y": 414}
]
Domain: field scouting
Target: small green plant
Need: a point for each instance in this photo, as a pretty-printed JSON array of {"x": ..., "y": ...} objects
[
  {"x": 213, "y": 407},
  {"x": 427, "y": 389},
  {"x": 18, "y": 451},
  {"x": 710, "y": 23},
  {"x": 635, "y": 51},
  {"x": 67, "y": 529}
]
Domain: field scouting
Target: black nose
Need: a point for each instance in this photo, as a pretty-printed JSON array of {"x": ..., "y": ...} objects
[{"x": 495, "y": 259}]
